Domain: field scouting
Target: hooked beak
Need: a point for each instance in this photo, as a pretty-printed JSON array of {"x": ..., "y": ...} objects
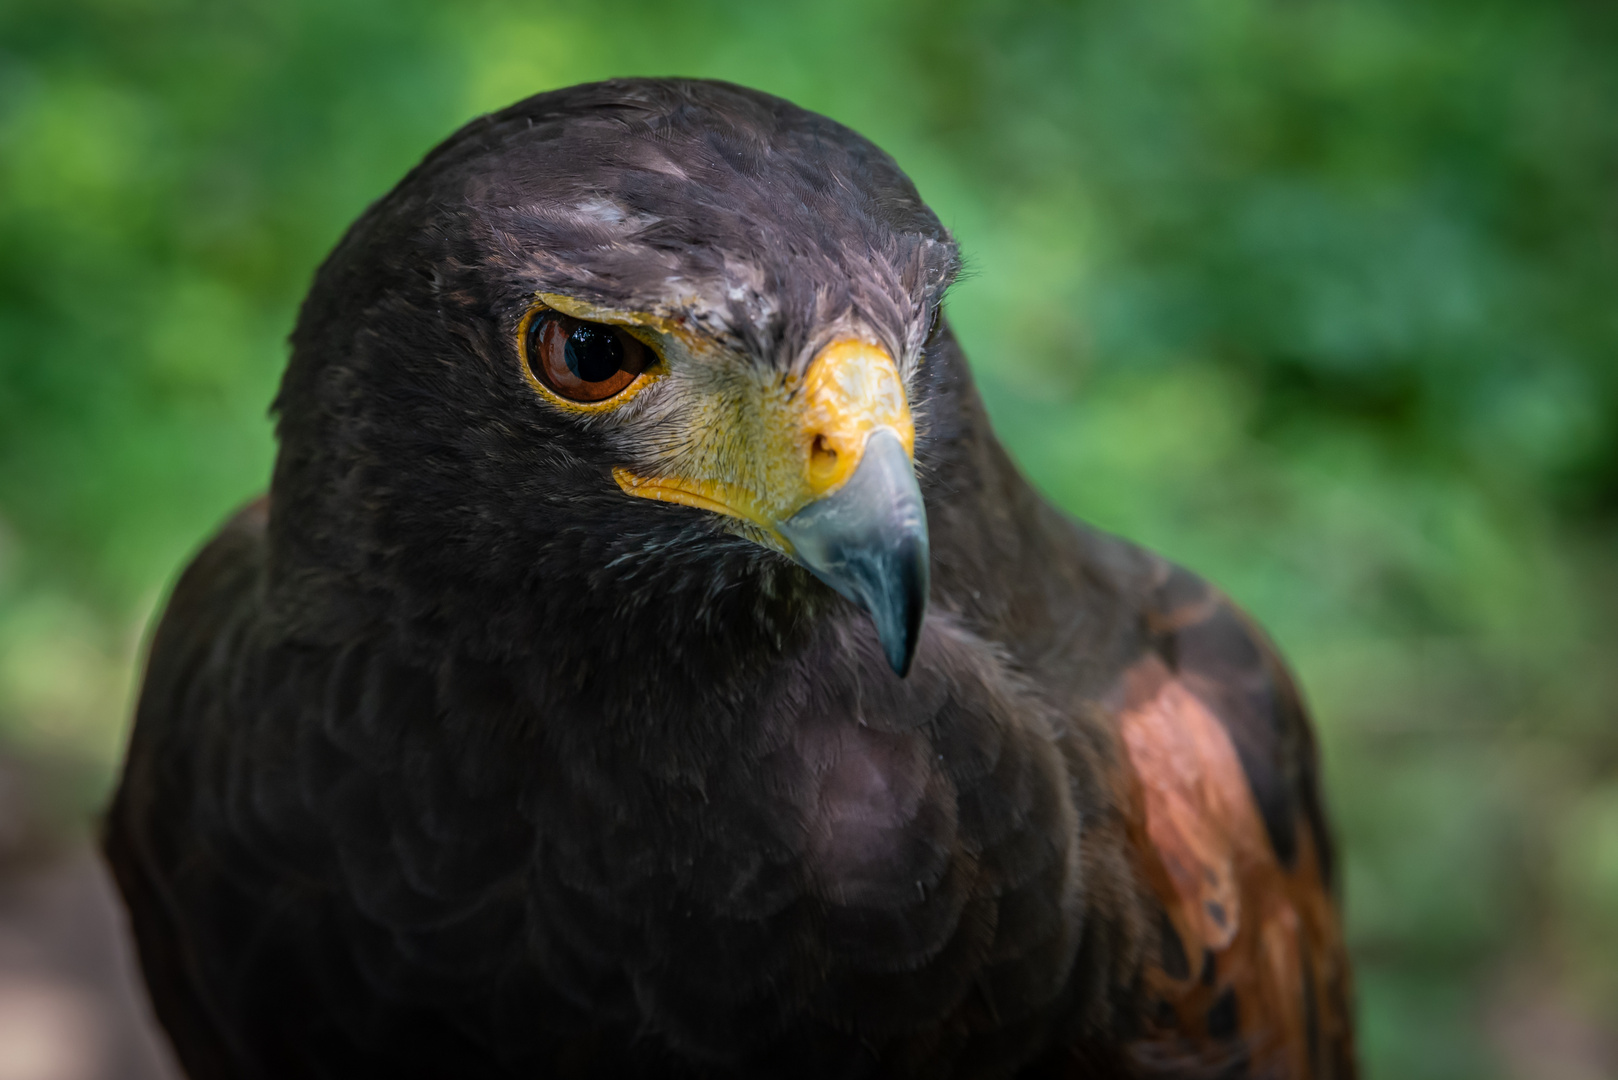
[
  {"x": 868, "y": 540},
  {"x": 827, "y": 479}
]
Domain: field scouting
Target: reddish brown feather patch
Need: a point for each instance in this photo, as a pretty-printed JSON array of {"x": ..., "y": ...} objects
[{"x": 1203, "y": 850}]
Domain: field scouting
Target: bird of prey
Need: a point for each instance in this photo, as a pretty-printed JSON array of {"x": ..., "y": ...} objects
[{"x": 647, "y": 663}]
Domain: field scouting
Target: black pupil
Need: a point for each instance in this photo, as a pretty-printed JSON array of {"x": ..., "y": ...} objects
[{"x": 594, "y": 353}]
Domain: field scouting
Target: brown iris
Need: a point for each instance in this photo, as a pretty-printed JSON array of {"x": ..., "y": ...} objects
[{"x": 582, "y": 361}]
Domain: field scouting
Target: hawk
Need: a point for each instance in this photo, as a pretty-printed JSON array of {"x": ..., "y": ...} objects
[{"x": 647, "y": 663}]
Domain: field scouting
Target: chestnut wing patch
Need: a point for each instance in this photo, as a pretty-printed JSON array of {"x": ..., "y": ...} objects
[{"x": 1251, "y": 979}]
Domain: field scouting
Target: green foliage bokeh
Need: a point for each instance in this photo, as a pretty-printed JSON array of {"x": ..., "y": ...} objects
[{"x": 1318, "y": 297}]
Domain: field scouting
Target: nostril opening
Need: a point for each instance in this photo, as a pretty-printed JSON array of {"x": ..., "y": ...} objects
[{"x": 822, "y": 454}]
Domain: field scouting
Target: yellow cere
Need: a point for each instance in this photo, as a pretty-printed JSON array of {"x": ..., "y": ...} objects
[
  {"x": 851, "y": 390},
  {"x": 763, "y": 450}
]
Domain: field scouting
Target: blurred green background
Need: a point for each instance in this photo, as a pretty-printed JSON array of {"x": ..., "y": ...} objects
[{"x": 1318, "y": 297}]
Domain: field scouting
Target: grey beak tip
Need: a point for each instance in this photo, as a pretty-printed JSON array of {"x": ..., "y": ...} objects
[{"x": 899, "y": 641}]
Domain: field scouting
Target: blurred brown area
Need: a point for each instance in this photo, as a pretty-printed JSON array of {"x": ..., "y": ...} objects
[{"x": 71, "y": 1003}]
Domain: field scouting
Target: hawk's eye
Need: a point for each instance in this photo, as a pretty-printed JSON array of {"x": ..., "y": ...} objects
[{"x": 582, "y": 361}]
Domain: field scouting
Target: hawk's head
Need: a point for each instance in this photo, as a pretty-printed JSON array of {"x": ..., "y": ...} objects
[{"x": 621, "y": 346}]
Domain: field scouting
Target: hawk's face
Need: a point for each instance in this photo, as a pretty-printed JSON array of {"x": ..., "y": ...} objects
[{"x": 624, "y": 335}]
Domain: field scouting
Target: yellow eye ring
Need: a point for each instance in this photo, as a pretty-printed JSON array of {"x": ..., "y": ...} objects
[{"x": 583, "y": 366}]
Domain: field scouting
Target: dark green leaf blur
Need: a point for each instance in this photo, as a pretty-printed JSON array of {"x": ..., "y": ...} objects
[{"x": 1317, "y": 297}]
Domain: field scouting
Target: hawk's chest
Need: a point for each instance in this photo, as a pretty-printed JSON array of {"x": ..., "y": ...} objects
[
  {"x": 878, "y": 810},
  {"x": 862, "y": 855}
]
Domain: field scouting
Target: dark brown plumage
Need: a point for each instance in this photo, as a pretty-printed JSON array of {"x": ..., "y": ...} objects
[{"x": 456, "y": 758}]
